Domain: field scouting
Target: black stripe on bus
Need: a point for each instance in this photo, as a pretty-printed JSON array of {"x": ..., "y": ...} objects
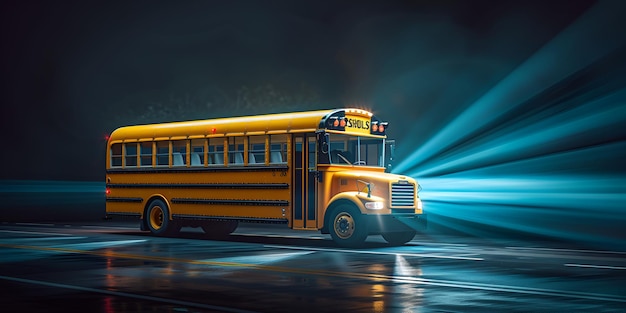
[
  {"x": 231, "y": 218},
  {"x": 231, "y": 202},
  {"x": 135, "y": 170},
  {"x": 123, "y": 199},
  {"x": 202, "y": 186}
]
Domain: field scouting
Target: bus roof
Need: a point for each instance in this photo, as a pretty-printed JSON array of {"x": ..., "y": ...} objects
[{"x": 282, "y": 123}]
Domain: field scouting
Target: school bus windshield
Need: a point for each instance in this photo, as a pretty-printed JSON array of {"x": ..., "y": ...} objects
[{"x": 356, "y": 150}]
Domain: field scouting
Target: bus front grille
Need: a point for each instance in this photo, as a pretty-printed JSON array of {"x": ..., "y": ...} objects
[{"x": 402, "y": 195}]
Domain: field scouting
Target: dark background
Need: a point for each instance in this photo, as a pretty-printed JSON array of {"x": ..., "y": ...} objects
[
  {"x": 548, "y": 79},
  {"x": 72, "y": 71}
]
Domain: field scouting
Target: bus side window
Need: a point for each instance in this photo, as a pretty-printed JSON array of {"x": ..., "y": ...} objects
[
  {"x": 116, "y": 155},
  {"x": 197, "y": 152},
  {"x": 163, "y": 153},
  {"x": 256, "y": 150},
  {"x": 179, "y": 153},
  {"x": 235, "y": 150},
  {"x": 146, "y": 153},
  {"x": 130, "y": 154},
  {"x": 216, "y": 151},
  {"x": 278, "y": 149}
]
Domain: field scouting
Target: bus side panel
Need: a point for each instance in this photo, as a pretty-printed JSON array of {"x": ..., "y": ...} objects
[
  {"x": 124, "y": 200},
  {"x": 230, "y": 211},
  {"x": 258, "y": 193}
]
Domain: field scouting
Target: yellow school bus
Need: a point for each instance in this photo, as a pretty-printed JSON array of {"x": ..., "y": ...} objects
[{"x": 317, "y": 170}]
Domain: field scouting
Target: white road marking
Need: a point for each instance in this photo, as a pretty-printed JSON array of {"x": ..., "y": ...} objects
[
  {"x": 260, "y": 258},
  {"x": 467, "y": 254},
  {"x": 510, "y": 289},
  {"x": 45, "y": 238},
  {"x": 34, "y": 233},
  {"x": 98, "y": 244},
  {"x": 596, "y": 266},
  {"x": 567, "y": 250},
  {"x": 277, "y": 236},
  {"x": 33, "y": 224},
  {"x": 378, "y": 252},
  {"x": 111, "y": 227},
  {"x": 392, "y": 278},
  {"x": 423, "y": 243},
  {"x": 126, "y": 294}
]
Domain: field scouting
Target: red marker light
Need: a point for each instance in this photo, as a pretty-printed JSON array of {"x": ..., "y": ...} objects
[
  {"x": 108, "y": 191},
  {"x": 213, "y": 130},
  {"x": 382, "y": 126},
  {"x": 336, "y": 123},
  {"x": 342, "y": 123},
  {"x": 375, "y": 127}
]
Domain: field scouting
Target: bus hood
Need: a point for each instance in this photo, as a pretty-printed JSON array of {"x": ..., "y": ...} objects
[{"x": 380, "y": 183}]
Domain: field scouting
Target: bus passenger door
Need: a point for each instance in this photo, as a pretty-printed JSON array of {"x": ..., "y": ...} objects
[{"x": 305, "y": 182}]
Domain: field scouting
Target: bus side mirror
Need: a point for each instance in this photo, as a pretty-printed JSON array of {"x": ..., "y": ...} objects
[
  {"x": 391, "y": 147},
  {"x": 320, "y": 176},
  {"x": 323, "y": 142}
]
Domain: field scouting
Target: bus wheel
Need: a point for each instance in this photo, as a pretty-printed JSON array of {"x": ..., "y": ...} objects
[
  {"x": 399, "y": 238},
  {"x": 158, "y": 220},
  {"x": 348, "y": 227},
  {"x": 220, "y": 228}
]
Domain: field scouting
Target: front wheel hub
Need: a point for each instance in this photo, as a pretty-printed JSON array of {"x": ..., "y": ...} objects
[{"x": 344, "y": 226}]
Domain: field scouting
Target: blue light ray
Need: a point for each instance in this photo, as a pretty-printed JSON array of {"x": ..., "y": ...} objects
[
  {"x": 535, "y": 196},
  {"x": 47, "y": 200},
  {"x": 37, "y": 186},
  {"x": 598, "y": 116},
  {"x": 557, "y": 60},
  {"x": 543, "y": 151},
  {"x": 575, "y": 193},
  {"x": 574, "y": 161}
]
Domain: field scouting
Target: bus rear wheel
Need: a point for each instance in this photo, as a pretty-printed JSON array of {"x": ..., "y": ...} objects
[
  {"x": 157, "y": 219},
  {"x": 348, "y": 227},
  {"x": 219, "y": 228},
  {"x": 399, "y": 238}
]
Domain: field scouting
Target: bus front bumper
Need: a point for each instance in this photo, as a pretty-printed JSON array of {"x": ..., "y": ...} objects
[{"x": 396, "y": 222}]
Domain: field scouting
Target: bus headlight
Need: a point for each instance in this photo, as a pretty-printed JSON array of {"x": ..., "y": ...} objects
[
  {"x": 419, "y": 204},
  {"x": 374, "y": 205}
]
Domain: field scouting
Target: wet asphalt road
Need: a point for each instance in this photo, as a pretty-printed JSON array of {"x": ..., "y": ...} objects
[{"x": 113, "y": 267}]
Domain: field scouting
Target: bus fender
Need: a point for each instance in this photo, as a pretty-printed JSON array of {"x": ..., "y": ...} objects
[{"x": 350, "y": 196}]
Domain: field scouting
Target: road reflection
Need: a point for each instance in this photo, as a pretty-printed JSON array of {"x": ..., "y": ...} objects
[{"x": 129, "y": 272}]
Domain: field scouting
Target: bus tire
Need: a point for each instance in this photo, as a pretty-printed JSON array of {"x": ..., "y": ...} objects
[
  {"x": 157, "y": 218},
  {"x": 347, "y": 227},
  {"x": 219, "y": 228},
  {"x": 399, "y": 238}
]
